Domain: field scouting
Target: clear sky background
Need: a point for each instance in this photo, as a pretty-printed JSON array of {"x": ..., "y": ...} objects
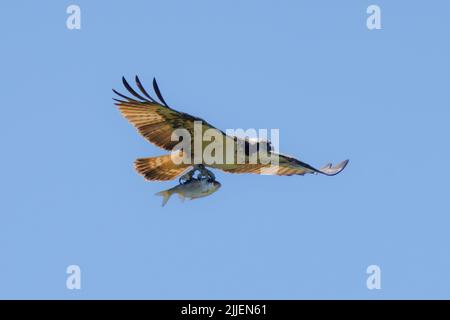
[{"x": 70, "y": 195}]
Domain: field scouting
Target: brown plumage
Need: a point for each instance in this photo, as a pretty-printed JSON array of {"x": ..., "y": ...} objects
[
  {"x": 156, "y": 121},
  {"x": 159, "y": 168}
]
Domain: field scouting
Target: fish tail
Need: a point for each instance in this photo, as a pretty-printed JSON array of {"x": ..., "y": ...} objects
[{"x": 166, "y": 195}]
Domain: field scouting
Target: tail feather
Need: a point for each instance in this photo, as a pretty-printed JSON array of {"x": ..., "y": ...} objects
[
  {"x": 159, "y": 168},
  {"x": 166, "y": 195}
]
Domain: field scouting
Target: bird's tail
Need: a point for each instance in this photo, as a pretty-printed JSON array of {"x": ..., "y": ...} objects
[
  {"x": 166, "y": 195},
  {"x": 160, "y": 168}
]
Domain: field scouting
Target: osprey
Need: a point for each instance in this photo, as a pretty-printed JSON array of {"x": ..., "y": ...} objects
[{"x": 156, "y": 122}]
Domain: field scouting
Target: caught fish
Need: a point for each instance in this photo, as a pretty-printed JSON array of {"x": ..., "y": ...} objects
[{"x": 193, "y": 189}]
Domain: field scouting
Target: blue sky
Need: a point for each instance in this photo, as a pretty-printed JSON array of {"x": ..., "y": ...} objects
[{"x": 309, "y": 68}]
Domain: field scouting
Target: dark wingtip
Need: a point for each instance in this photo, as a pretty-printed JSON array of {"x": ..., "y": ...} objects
[
  {"x": 118, "y": 101},
  {"x": 116, "y": 92},
  {"x": 124, "y": 81},
  {"x": 343, "y": 164},
  {"x": 158, "y": 92},
  {"x": 141, "y": 87},
  {"x": 332, "y": 171},
  {"x": 124, "y": 96},
  {"x": 131, "y": 90}
]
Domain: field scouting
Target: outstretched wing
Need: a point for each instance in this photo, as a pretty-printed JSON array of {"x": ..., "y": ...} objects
[
  {"x": 155, "y": 120},
  {"x": 287, "y": 166}
]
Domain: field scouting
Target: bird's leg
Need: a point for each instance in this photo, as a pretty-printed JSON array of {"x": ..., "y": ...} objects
[
  {"x": 211, "y": 176},
  {"x": 187, "y": 176},
  {"x": 205, "y": 174}
]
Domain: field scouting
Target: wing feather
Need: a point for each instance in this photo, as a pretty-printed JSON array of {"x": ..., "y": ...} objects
[
  {"x": 131, "y": 90},
  {"x": 158, "y": 92},
  {"x": 141, "y": 87},
  {"x": 155, "y": 121},
  {"x": 287, "y": 166}
]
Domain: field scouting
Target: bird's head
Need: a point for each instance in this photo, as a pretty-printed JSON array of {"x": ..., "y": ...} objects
[{"x": 261, "y": 144}]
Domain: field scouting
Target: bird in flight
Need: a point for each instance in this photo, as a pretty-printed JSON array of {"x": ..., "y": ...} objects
[{"x": 156, "y": 121}]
